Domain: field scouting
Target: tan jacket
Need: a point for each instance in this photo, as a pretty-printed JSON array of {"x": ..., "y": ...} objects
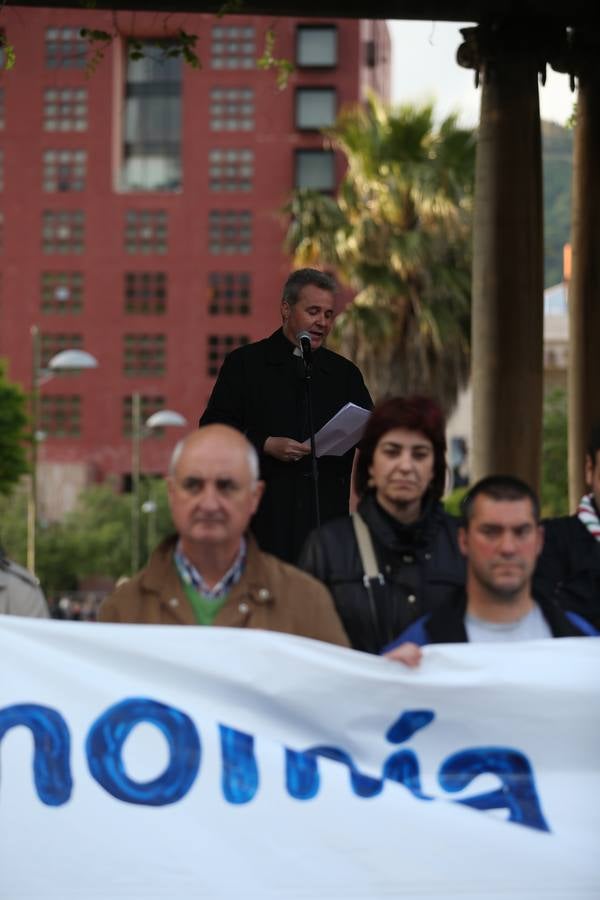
[{"x": 270, "y": 594}]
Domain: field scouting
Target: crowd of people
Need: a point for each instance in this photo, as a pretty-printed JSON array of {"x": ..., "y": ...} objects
[{"x": 246, "y": 492}]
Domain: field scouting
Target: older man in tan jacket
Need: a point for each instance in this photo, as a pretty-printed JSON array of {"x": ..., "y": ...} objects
[{"x": 212, "y": 572}]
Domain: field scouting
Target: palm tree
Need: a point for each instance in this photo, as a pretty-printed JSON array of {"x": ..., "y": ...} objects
[{"x": 398, "y": 234}]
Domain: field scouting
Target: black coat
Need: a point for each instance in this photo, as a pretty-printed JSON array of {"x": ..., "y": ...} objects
[
  {"x": 261, "y": 391},
  {"x": 421, "y": 564},
  {"x": 568, "y": 569}
]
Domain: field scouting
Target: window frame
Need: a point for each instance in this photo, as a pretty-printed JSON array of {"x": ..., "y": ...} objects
[
  {"x": 313, "y": 151},
  {"x": 314, "y": 89},
  {"x": 148, "y": 148},
  {"x": 305, "y": 30}
]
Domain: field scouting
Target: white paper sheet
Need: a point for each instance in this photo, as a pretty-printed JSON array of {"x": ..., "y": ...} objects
[{"x": 342, "y": 432}]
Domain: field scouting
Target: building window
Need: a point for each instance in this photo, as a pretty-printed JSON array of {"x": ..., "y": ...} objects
[
  {"x": 229, "y": 293},
  {"x": 64, "y": 170},
  {"x": 231, "y": 109},
  {"x": 65, "y": 48},
  {"x": 370, "y": 54},
  {"x": 231, "y": 170},
  {"x": 144, "y": 354},
  {"x": 60, "y": 415},
  {"x": 149, "y": 404},
  {"x": 62, "y": 292},
  {"x": 218, "y": 346},
  {"x": 51, "y": 344},
  {"x": 229, "y": 231},
  {"x": 63, "y": 231},
  {"x": 315, "y": 170},
  {"x": 146, "y": 231},
  {"x": 152, "y": 123},
  {"x": 316, "y": 45},
  {"x": 145, "y": 292},
  {"x": 233, "y": 47},
  {"x": 65, "y": 109},
  {"x": 315, "y": 108}
]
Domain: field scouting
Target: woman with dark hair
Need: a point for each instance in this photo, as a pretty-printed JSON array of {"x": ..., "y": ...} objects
[{"x": 397, "y": 557}]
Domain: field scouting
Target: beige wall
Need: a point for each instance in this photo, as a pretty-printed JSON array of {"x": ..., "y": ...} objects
[{"x": 59, "y": 485}]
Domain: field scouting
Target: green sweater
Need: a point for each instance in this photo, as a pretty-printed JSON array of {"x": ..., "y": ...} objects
[{"x": 205, "y": 608}]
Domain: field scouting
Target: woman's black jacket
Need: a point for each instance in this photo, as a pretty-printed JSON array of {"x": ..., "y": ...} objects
[{"x": 420, "y": 564}]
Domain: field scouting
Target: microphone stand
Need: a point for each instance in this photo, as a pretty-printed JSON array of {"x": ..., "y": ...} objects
[{"x": 313, "y": 456}]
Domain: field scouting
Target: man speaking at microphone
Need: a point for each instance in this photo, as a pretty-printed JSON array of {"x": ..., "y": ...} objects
[{"x": 261, "y": 390}]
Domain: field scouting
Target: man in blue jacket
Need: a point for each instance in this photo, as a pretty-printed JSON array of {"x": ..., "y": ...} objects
[{"x": 501, "y": 538}]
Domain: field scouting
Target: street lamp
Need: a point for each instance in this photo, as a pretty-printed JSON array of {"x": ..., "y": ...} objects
[
  {"x": 66, "y": 360},
  {"x": 161, "y": 419}
]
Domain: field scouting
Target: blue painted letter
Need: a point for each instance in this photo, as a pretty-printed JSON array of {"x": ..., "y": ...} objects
[
  {"x": 52, "y": 744},
  {"x": 517, "y": 793},
  {"x": 239, "y": 780},
  {"x": 108, "y": 734},
  {"x": 302, "y": 774}
]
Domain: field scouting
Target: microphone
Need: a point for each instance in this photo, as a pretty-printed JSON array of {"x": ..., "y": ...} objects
[{"x": 303, "y": 338}]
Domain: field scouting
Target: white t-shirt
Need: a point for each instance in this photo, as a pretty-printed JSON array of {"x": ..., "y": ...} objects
[{"x": 532, "y": 626}]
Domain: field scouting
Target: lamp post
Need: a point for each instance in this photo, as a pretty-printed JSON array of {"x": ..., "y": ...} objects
[
  {"x": 161, "y": 419},
  {"x": 66, "y": 360}
]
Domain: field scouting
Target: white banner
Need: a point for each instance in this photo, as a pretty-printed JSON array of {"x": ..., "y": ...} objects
[{"x": 160, "y": 762}]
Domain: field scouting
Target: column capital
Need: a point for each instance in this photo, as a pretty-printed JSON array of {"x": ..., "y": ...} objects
[
  {"x": 487, "y": 47},
  {"x": 579, "y": 54}
]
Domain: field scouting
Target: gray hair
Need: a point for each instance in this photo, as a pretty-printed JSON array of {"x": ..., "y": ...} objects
[
  {"x": 253, "y": 463},
  {"x": 175, "y": 456},
  {"x": 251, "y": 457},
  {"x": 303, "y": 277}
]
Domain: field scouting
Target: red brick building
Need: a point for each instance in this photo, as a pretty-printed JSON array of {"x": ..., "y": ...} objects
[{"x": 141, "y": 209}]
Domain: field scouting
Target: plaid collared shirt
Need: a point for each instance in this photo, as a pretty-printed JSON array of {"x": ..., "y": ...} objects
[{"x": 190, "y": 574}]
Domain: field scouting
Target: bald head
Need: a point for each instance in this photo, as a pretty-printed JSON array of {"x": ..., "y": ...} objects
[
  {"x": 230, "y": 436},
  {"x": 213, "y": 489}
]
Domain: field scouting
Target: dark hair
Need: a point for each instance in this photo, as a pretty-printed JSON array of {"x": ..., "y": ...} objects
[
  {"x": 499, "y": 487},
  {"x": 594, "y": 443},
  {"x": 416, "y": 414},
  {"x": 303, "y": 277}
]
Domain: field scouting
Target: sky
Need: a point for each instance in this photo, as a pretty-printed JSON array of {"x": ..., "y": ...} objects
[{"x": 424, "y": 68}]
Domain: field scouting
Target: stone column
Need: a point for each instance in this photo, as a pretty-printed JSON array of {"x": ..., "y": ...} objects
[
  {"x": 507, "y": 289},
  {"x": 584, "y": 289}
]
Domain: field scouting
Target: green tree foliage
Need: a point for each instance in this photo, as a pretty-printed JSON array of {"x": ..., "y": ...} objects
[
  {"x": 398, "y": 233},
  {"x": 13, "y": 434},
  {"x": 557, "y": 146},
  {"x": 453, "y": 500},
  {"x": 93, "y": 539},
  {"x": 555, "y": 484},
  {"x": 13, "y": 522}
]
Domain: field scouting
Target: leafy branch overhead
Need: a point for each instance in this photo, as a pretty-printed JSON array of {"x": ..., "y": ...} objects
[
  {"x": 179, "y": 45},
  {"x": 283, "y": 67},
  {"x": 8, "y": 56}
]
